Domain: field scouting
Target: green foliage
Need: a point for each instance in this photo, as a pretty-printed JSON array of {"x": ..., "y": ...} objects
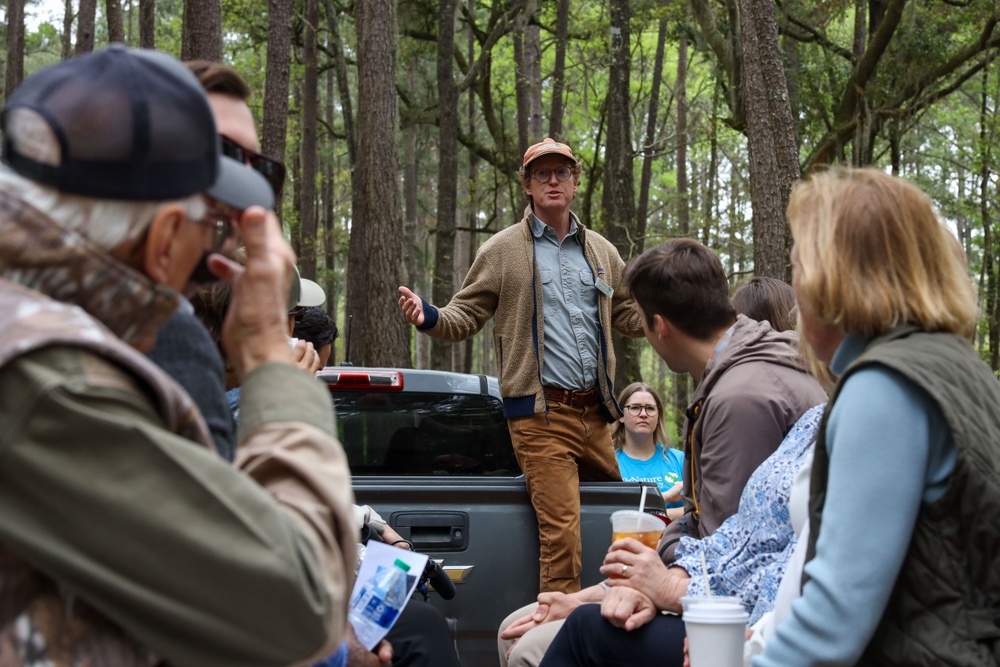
[{"x": 941, "y": 145}]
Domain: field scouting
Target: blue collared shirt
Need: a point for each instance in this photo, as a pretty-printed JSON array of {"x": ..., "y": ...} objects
[{"x": 570, "y": 307}]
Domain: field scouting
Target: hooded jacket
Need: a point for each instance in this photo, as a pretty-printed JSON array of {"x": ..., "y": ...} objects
[{"x": 752, "y": 394}]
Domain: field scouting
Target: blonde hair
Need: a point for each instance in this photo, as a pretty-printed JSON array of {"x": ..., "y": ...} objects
[
  {"x": 618, "y": 428},
  {"x": 872, "y": 255}
]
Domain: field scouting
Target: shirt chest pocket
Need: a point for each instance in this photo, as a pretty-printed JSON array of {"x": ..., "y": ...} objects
[
  {"x": 546, "y": 276},
  {"x": 587, "y": 278}
]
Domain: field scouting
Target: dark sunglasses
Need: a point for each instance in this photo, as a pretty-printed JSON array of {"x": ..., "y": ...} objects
[{"x": 269, "y": 168}]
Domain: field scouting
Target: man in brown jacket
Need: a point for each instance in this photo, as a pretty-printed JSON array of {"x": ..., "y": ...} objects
[
  {"x": 124, "y": 540},
  {"x": 554, "y": 290}
]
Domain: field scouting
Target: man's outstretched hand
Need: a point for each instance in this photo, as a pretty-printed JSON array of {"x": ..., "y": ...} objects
[{"x": 413, "y": 307}]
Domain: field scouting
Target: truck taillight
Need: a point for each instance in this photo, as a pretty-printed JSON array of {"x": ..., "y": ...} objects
[{"x": 385, "y": 380}]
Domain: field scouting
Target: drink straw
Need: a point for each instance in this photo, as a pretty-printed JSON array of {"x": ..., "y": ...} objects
[
  {"x": 704, "y": 572},
  {"x": 642, "y": 498}
]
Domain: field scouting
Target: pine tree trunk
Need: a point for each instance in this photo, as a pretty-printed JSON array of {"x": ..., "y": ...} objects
[
  {"x": 310, "y": 110},
  {"x": 116, "y": 21},
  {"x": 618, "y": 203},
  {"x": 67, "y": 34},
  {"x": 330, "y": 235},
  {"x": 680, "y": 94},
  {"x": 14, "y": 68},
  {"x": 641, "y": 214},
  {"x": 376, "y": 250},
  {"x": 533, "y": 71},
  {"x": 559, "y": 71},
  {"x": 86, "y": 20},
  {"x": 147, "y": 24},
  {"x": 276, "y": 83},
  {"x": 201, "y": 36},
  {"x": 444, "y": 240},
  {"x": 712, "y": 179},
  {"x": 343, "y": 87},
  {"x": 771, "y": 137}
]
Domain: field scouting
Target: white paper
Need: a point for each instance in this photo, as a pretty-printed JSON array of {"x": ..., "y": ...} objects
[{"x": 379, "y": 553}]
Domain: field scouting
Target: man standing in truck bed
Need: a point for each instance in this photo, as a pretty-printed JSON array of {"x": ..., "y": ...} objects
[{"x": 554, "y": 287}]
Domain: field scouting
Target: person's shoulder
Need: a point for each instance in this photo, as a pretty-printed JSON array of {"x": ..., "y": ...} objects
[
  {"x": 182, "y": 334},
  {"x": 675, "y": 455},
  {"x": 516, "y": 233},
  {"x": 76, "y": 369},
  {"x": 597, "y": 241}
]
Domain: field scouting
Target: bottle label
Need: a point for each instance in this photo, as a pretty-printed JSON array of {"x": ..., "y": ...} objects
[{"x": 379, "y": 612}]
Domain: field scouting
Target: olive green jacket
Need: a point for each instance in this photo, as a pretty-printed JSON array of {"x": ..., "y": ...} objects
[{"x": 124, "y": 540}]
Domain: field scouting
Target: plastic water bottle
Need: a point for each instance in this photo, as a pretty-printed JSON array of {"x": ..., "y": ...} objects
[{"x": 378, "y": 602}]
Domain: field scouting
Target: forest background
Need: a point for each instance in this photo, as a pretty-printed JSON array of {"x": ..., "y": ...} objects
[{"x": 402, "y": 123}]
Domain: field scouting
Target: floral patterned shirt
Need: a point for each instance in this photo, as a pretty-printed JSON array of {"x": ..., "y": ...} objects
[{"x": 747, "y": 555}]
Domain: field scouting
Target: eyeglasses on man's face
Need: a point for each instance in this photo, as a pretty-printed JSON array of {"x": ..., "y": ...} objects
[
  {"x": 220, "y": 226},
  {"x": 269, "y": 168},
  {"x": 636, "y": 409},
  {"x": 543, "y": 175}
]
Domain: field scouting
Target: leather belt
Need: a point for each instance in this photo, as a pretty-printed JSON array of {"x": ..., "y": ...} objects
[{"x": 573, "y": 397}]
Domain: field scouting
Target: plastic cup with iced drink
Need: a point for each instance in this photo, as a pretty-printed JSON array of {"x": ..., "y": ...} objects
[
  {"x": 642, "y": 526},
  {"x": 716, "y": 628}
]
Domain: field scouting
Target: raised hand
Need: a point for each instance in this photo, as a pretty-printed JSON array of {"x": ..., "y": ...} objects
[{"x": 413, "y": 307}]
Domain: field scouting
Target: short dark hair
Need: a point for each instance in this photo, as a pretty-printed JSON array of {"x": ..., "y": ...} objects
[
  {"x": 767, "y": 300},
  {"x": 315, "y": 326},
  {"x": 683, "y": 281},
  {"x": 218, "y": 78},
  {"x": 211, "y": 305}
]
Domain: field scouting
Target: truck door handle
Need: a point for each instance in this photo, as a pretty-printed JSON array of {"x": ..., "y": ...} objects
[{"x": 433, "y": 531}]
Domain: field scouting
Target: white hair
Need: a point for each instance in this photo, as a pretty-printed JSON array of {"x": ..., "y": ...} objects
[{"x": 105, "y": 222}]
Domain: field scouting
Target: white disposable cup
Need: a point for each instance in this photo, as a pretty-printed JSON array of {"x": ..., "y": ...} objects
[
  {"x": 689, "y": 601},
  {"x": 716, "y": 629}
]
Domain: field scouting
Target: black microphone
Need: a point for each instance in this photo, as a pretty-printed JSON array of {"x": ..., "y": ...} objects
[{"x": 439, "y": 579}]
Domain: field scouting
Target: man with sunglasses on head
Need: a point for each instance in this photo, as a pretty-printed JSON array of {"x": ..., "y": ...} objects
[
  {"x": 553, "y": 289},
  {"x": 184, "y": 348},
  {"x": 124, "y": 539},
  {"x": 420, "y": 636}
]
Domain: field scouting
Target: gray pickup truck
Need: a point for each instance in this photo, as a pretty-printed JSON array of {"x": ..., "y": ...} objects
[{"x": 431, "y": 453}]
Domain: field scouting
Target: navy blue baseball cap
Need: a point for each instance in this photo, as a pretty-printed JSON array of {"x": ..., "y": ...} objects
[{"x": 131, "y": 124}]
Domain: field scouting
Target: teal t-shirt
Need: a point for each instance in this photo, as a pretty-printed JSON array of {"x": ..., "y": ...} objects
[{"x": 664, "y": 468}]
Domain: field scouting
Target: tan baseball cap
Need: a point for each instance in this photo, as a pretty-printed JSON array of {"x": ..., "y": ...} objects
[{"x": 547, "y": 147}]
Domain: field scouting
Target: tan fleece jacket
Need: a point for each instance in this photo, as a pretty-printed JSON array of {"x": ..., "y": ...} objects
[{"x": 504, "y": 281}]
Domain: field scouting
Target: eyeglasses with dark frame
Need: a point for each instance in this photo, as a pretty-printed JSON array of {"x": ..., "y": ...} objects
[
  {"x": 636, "y": 409},
  {"x": 269, "y": 168},
  {"x": 543, "y": 175}
]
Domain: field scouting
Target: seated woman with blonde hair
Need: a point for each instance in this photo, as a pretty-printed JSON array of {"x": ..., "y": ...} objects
[
  {"x": 901, "y": 562},
  {"x": 639, "y": 439}
]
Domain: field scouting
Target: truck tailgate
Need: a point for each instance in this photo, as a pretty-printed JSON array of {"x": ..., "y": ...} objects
[{"x": 483, "y": 530}]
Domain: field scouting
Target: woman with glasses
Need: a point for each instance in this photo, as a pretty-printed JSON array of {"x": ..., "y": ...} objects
[{"x": 639, "y": 439}]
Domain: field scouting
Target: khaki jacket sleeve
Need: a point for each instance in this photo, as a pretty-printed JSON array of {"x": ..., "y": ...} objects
[
  {"x": 473, "y": 306},
  {"x": 202, "y": 564},
  {"x": 287, "y": 444}
]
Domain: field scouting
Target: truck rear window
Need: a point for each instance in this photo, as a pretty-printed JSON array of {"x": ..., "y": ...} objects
[{"x": 414, "y": 433}]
